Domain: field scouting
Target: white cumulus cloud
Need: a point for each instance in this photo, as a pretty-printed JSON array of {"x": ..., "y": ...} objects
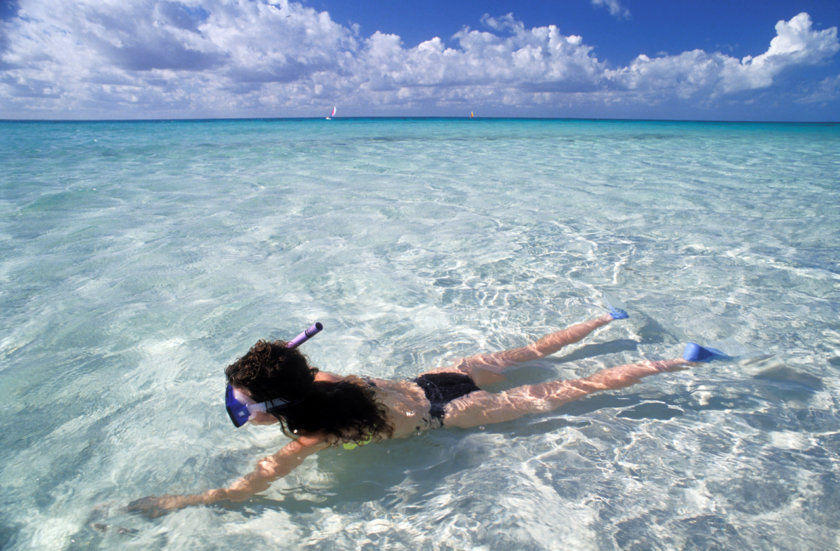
[
  {"x": 715, "y": 74},
  {"x": 166, "y": 58}
]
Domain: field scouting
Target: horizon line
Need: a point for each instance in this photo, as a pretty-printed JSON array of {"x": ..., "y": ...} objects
[{"x": 421, "y": 117}]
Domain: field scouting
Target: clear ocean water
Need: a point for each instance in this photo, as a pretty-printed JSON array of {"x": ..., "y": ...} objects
[{"x": 138, "y": 259}]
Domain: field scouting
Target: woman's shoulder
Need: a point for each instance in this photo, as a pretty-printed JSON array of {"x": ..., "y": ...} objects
[{"x": 324, "y": 377}]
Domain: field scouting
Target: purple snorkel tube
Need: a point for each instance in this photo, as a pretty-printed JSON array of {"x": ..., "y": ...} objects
[{"x": 313, "y": 330}]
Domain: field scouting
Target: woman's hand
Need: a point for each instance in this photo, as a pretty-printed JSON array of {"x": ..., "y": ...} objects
[
  {"x": 268, "y": 469},
  {"x": 155, "y": 506}
]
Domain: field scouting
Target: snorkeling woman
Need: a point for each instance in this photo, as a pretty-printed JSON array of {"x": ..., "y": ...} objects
[{"x": 273, "y": 383}]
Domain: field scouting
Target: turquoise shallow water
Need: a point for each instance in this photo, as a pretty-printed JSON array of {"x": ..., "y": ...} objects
[{"x": 138, "y": 259}]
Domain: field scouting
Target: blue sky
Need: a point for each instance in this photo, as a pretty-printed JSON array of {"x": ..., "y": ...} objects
[{"x": 709, "y": 60}]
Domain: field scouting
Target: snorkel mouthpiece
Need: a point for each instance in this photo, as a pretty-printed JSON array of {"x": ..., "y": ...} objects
[
  {"x": 240, "y": 408},
  {"x": 310, "y": 332}
]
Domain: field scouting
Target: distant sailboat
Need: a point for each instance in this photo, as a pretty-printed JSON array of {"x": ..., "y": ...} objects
[
  {"x": 332, "y": 114},
  {"x": 472, "y": 115}
]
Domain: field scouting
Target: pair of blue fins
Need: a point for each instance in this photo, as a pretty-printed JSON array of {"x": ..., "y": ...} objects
[{"x": 693, "y": 352}]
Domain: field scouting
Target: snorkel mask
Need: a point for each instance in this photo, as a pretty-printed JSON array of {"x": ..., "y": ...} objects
[{"x": 240, "y": 407}]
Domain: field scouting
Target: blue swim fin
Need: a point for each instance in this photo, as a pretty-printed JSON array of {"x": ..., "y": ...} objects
[
  {"x": 696, "y": 353},
  {"x": 616, "y": 313}
]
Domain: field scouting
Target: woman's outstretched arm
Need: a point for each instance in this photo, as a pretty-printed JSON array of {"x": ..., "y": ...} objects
[{"x": 267, "y": 471}]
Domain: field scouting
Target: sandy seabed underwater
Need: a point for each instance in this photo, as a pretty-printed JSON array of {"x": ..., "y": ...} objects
[{"x": 138, "y": 259}]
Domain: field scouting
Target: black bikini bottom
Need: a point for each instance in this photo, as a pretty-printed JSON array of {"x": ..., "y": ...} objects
[{"x": 442, "y": 388}]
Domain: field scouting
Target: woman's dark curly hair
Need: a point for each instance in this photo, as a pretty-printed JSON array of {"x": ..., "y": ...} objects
[{"x": 344, "y": 411}]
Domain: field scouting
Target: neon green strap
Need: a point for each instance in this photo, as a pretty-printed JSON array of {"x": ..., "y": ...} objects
[{"x": 354, "y": 445}]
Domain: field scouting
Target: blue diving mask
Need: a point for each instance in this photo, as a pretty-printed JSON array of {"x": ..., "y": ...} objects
[{"x": 240, "y": 408}]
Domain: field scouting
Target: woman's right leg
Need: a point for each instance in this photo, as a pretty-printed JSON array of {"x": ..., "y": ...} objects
[
  {"x": 482, "y": 408},
  {"x": 486, "y": 369}
]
